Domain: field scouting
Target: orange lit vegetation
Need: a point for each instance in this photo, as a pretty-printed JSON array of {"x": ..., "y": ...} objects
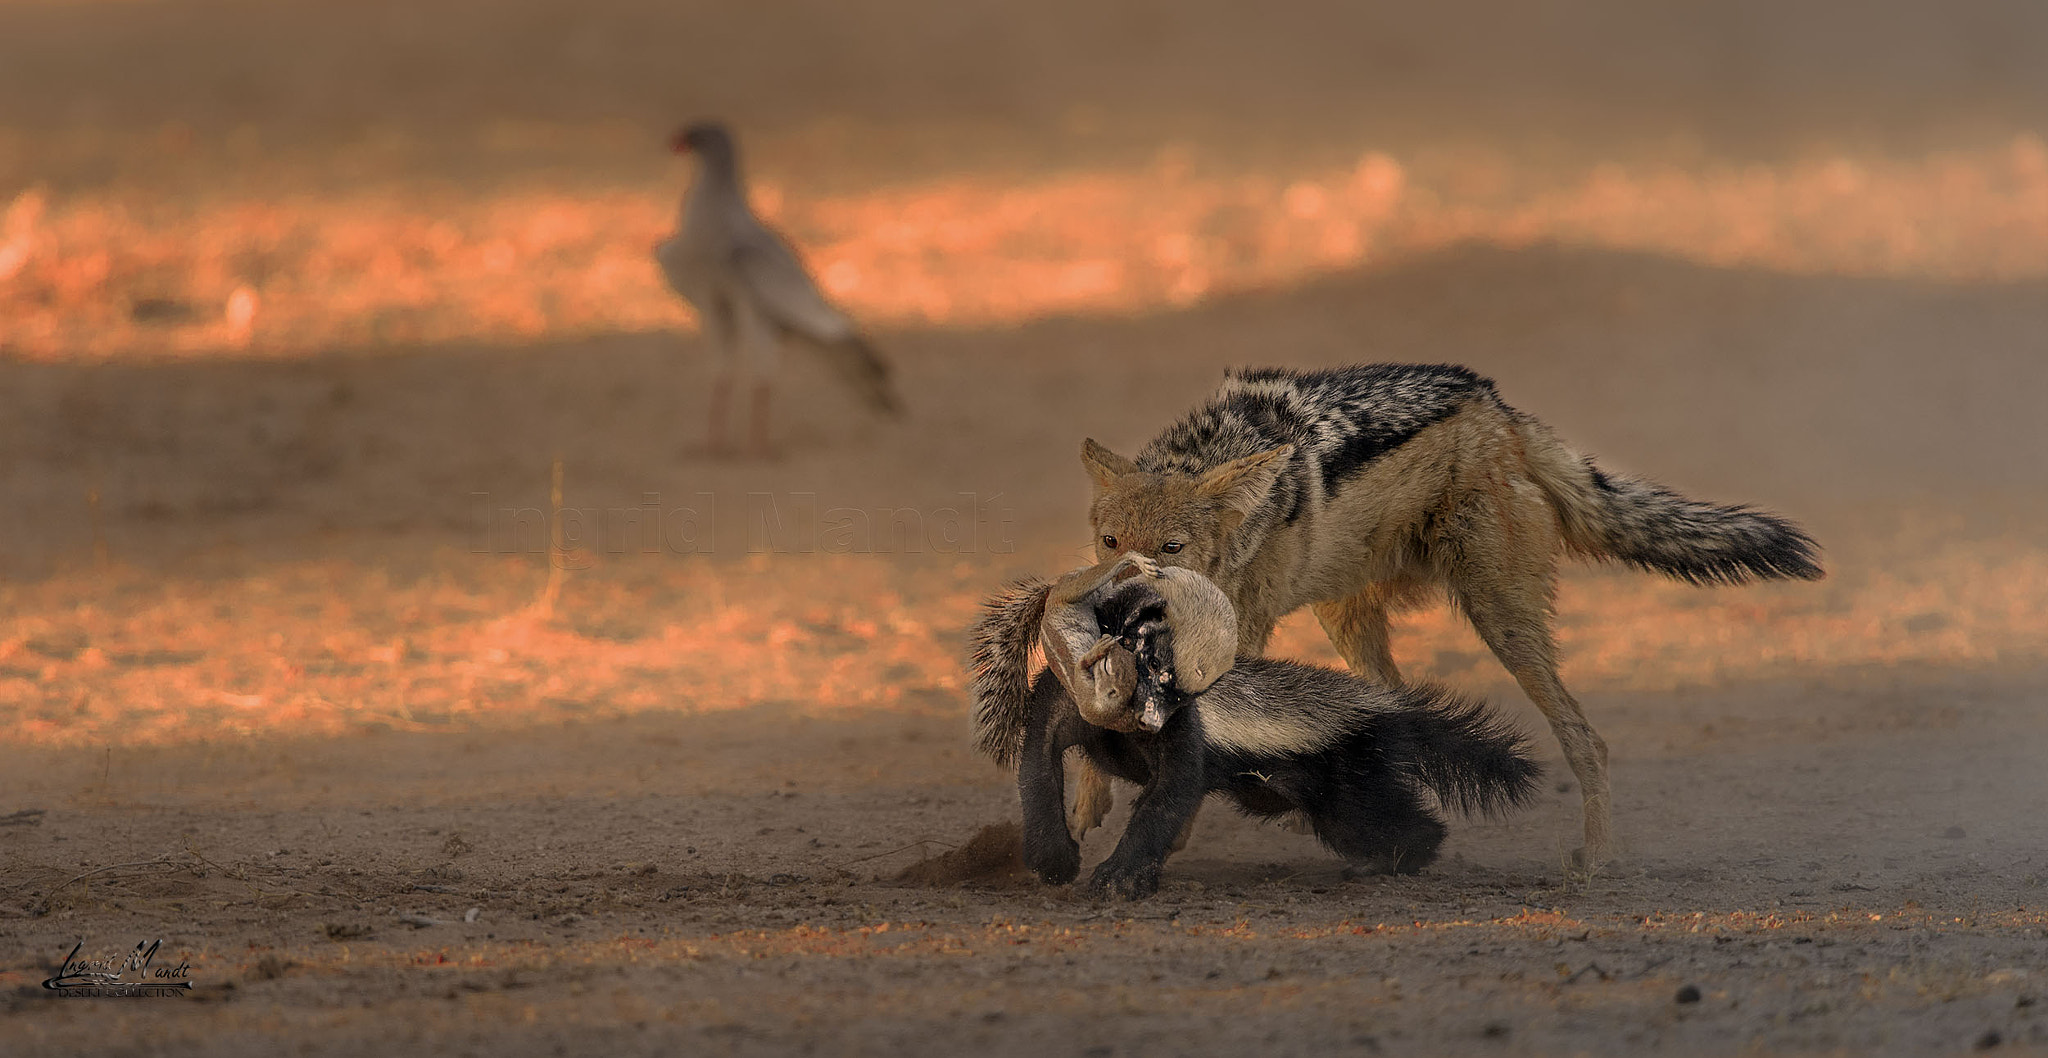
[
  {"x": 95, "y": 275},
  {"x": 325, "y": 647}
]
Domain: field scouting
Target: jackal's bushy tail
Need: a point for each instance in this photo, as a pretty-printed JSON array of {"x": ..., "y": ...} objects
[
  {"x": 1000, "y": 666},
  {"x": 1650, "y": 527},
  {"x": 1476, "y": 762}
]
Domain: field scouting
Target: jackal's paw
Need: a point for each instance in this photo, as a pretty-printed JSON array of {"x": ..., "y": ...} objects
[
  {"x": 1585, "y": 862},
  {"x": 1055, "y": 862},
  {"x": 1125, "y": 881}
]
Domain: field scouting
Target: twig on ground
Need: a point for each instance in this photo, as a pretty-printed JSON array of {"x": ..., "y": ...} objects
[
  {"x": 241, "y": 874},
  {"x": 918, "y": 844},
  {"x": 42, "y": 906}
]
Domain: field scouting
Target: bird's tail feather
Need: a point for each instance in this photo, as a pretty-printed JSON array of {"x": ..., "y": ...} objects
[{"x": 863, "y": 368}]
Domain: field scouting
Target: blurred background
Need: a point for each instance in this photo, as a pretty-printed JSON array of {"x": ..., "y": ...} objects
[
  {"x": 299, "y": 299},
  {"x": 360, "y": 556}
]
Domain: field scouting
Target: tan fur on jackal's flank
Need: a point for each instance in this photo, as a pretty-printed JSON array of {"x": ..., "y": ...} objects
[{"x": 1359, "y": 491}]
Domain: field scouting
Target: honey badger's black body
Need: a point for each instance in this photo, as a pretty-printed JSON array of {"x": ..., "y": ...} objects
[{"x": 1277, "y": 737}]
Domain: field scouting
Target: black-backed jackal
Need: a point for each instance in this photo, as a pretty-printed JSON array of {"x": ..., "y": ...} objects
[{"x": 1357, "y": 492}]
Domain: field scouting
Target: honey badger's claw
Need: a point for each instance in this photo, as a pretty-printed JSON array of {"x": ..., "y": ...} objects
[
  {"x": 1124, "y": 881},
  {"x": 1055, "y": 862}
]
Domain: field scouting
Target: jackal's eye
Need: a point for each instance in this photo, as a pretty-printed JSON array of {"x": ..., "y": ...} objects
[
  {"x": 1171, "y": 547},
  {"x": 1109, "y": 542}
]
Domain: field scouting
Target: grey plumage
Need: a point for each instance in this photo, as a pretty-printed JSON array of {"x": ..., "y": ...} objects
[{"x": 748, "y": 285}]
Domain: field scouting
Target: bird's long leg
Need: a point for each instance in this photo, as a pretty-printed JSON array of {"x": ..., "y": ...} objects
[
  {"x": 721, "y": 398},
  {"x": 716, "y": 316},
  {"x": 760, "y": 348},
  {"x": 763, "y": 390}
]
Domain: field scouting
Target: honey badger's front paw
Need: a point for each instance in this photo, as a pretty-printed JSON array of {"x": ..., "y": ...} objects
[
  {"x": 1055, "y": 862},
  {"x": 1125, "y": 881}
]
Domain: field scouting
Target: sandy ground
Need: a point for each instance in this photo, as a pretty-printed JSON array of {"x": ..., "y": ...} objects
[
  {"x": 1840, "y": 854},
  {"x": 284, "y": 683}
]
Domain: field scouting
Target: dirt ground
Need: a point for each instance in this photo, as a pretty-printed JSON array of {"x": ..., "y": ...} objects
[{"x": 286, "y": 679}]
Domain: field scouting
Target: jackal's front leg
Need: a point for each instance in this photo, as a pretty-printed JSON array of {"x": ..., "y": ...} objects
[{"x": 1093, "y": 799}]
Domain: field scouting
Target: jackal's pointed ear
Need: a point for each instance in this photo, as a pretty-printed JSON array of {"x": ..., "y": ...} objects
[
  {"x": 1242, "y": 484},
  {"x": 1104, "y": 465}
]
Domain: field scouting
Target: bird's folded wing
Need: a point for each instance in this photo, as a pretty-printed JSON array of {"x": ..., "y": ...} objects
[
  {"x": 676, "y": 267},
  {"x": 773, "y": 277}
]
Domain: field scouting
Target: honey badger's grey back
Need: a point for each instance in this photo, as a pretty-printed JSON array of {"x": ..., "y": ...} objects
[{"x": 1268, "y": 707}]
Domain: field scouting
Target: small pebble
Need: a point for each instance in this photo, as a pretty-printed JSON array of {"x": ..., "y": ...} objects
[{"x": 1688, "y": 994}]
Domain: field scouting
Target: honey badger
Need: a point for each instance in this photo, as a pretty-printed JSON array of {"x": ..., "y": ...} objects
[
  {"x": 1275, "y": 736},
  {"x": 1100, "y": 670}
]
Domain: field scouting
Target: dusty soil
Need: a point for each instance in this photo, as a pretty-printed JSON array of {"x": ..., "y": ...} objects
[{"x": 286, "y": 680}]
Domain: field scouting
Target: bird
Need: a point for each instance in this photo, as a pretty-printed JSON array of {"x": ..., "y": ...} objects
[{"x": 751, "y": 292}]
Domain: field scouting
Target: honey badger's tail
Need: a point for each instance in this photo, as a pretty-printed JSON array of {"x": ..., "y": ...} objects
[
  {"x": 1477, "y": 763},
  {"x": 1650, "y": 527},
  {"x": 1000, "y": 667}
]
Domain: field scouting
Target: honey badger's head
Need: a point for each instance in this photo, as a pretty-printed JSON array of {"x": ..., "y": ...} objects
[{"x": 1135, "y": 613}]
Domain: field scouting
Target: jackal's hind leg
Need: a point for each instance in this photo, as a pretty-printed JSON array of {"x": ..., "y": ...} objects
[
  {"x": 1503, "y": 585},
  {"x": 1093, "y": 799},
  {"x": 1357, "y": 627}
]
